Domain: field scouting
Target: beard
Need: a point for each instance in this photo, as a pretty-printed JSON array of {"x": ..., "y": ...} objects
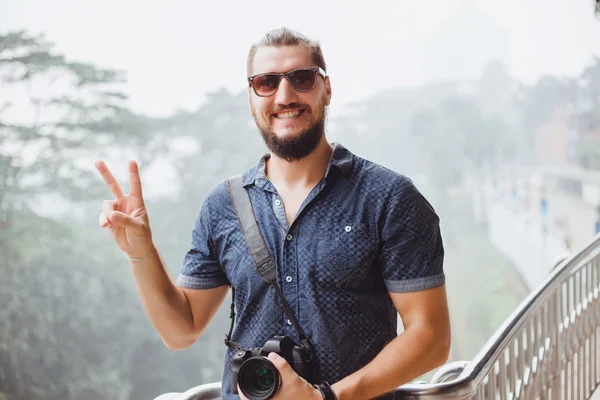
[{"x": 294, "y": 147}]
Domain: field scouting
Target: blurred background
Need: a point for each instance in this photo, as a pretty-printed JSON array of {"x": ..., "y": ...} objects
[{"x": 492, "y": 108}]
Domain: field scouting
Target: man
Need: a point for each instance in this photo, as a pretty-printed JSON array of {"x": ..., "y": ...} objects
[{"x": 354, "y": 243}]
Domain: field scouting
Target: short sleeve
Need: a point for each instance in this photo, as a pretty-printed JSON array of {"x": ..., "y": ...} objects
[
  {"x": 201, "y": 268},
  {"x": 412, "y": 253}
]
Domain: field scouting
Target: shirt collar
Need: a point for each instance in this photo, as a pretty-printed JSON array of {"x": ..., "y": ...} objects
[{"x": 341, "y": 158}]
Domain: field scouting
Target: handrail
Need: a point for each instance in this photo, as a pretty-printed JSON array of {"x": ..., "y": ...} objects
[
  {"x": 560, "y": 313},
  {"x": 548, "y": 344}
]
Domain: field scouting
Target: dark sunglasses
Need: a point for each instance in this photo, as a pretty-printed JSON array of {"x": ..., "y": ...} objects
[{"x": 302, "y": 80}]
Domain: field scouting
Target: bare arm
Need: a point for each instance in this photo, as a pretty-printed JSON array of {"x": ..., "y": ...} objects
[
  {"x": 180, "y": 315},
  {"x": 423, "y": 346}
]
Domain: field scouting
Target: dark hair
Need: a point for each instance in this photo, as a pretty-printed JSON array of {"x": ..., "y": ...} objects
[{"x": 287, "y": 37}]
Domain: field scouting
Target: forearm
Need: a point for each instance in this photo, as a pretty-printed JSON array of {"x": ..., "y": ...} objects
[
  {"x": 164, "y": 302},
  {"x": 413, "y": 353}
]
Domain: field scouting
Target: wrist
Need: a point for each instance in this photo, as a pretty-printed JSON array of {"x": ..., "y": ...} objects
[
  {"x": 347, "y": 388},
  {"x": 319, "y": 394},
  {"x": 140, "y": 256},
  {"x": 327, "y": 392}
]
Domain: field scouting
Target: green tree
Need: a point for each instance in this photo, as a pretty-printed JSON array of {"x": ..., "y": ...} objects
[
  {"x": 62, "y": 307},
  {"x": 61, "y": 112}
]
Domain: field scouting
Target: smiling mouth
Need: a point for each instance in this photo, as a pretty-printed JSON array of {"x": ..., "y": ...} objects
[{"x": 289, "y": 114}]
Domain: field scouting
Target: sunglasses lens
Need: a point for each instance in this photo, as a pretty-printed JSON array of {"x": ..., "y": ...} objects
[
  {"x": 303, "y": 79},
  {"x": 266, "y": 85}
]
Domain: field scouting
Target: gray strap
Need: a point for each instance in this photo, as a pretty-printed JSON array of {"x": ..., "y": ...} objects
[{"x": 263, "y": 261}]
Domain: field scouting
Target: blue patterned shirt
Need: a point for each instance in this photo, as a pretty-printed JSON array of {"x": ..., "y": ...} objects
[{"x": 362, "y": 232}]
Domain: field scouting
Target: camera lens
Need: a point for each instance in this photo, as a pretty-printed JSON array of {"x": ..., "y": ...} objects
[
  {"x": 258, "y": 378},
  {"x": 264, "y": 377}
]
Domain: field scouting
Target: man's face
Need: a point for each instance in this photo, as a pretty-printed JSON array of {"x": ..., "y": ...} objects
[{"x": 292, "y": 123}]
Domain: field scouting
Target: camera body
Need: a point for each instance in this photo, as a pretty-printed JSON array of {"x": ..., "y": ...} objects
[{"x": 257, "y": 377}]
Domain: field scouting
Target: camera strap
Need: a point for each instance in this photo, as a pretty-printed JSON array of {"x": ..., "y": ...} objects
[{"x": 261, "y": 256}]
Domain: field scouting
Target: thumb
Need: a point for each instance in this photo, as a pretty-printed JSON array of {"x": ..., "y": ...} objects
[
  {"x": 282, "y": 366},
  {"x": 123, "y": 220}
]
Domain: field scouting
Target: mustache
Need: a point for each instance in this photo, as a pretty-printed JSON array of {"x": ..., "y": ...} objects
[{"x": 291, "y": 106}]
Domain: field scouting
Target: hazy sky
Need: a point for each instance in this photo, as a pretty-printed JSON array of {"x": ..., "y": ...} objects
[{"x": 175, "y": 51}]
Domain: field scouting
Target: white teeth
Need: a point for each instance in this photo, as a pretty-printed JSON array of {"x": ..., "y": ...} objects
[{"x": 289, "y": 114}]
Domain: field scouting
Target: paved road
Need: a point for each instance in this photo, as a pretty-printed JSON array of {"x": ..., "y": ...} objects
[{"x": 579, "y": 217}]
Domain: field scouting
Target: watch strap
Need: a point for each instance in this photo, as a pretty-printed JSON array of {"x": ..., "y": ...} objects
[{"x": 326, "y": 391}]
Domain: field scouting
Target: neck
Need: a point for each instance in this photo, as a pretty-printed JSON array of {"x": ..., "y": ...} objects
[{"x": 302, "y": 173}]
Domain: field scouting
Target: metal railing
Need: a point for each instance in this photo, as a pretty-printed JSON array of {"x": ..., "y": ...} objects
[{"x": 546, "y": 349}]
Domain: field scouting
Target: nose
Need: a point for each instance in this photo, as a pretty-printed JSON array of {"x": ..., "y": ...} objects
[{"x": 286, "y": 94}]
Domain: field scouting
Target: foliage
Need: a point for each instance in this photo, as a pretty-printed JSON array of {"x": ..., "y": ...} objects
[
  {"x": 63, "y": 308},
  {"x": 493, "y": 292},
  {"x": 72, "y": 108}
]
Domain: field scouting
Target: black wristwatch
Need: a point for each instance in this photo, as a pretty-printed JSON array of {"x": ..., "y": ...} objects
[{"x": 326, "y": 391}]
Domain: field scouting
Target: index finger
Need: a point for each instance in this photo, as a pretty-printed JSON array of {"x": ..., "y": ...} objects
[
  {"x": 135, "y": 183},
  {"x": 110, "y": 180}
]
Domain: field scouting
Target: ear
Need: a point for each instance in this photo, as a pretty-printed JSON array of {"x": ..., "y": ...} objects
[{"x": 327, "y": 91}]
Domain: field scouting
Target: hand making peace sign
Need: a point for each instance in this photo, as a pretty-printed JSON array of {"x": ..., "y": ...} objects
[{"x": 126, "y": 217}]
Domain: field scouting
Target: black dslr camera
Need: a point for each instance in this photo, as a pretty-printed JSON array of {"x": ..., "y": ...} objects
[{"x": 257, "y": 377}]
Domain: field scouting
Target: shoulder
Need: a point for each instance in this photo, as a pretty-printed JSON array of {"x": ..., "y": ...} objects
[
  {"x": 383, "y": 180},
  {"x": 218, "y": 197},
  {"x": 396, "y": 193}
]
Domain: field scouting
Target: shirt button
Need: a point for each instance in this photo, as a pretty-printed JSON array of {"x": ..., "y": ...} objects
[
  {"x": 278, "y": 202},
  {"x": 348, "y": 229},
  {"x": 289, "y": 322},
  {"x": 289, "y": 237},
  {"x": 288, "y": 278}
]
